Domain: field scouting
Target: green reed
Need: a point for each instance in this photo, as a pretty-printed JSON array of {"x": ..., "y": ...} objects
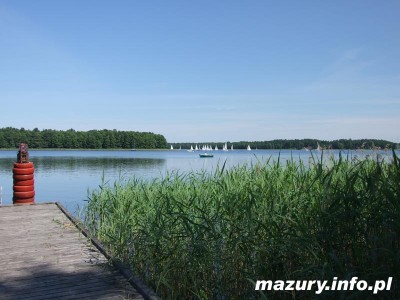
[{"x": 209, "y": 236}]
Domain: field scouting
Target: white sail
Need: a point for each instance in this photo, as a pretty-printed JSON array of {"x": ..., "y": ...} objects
[
  {"x": 248, "y": 148},
  {"x": 231, "y": 147},
  {"x": 172, "y": 148},
  {"x": 216, "y": 147}
]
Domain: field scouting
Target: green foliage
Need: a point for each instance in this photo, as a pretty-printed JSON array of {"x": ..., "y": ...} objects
[
  {"x": 208, "y": 236},
  {"x": 71, "y": 139}
]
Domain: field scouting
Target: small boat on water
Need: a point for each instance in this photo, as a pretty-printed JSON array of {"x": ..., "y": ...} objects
[
  {"x": 206, "y": 155},
  {"x": 248, "y": 148}
]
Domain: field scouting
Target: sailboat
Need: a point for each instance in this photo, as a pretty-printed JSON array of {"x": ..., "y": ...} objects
[
  {"x": 319, "y": 147},
  {"x": 231, "y": 147},
  {"x": 248, "y": 148},
  {"x": 216, "y": 147},
  {"x": 172, "y": 148},
  {"x": 225, "y": 147},
  {"x": 191, "y": 149}
]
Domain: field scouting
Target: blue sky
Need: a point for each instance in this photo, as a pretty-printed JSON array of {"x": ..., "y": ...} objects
[{"x": 203, "y": 70}]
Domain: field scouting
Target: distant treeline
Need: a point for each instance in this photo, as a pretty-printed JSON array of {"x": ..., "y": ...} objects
[
  {"x": 300, "y": 144},
  {"x": 71, "y": 139},
  {"x": 113, "y": 139}
]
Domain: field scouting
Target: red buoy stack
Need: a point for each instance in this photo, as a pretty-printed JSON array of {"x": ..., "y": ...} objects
[{"x": 24, "y": 188}]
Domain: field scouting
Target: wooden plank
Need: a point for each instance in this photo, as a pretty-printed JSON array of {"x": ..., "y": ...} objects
[
  {"x": 54, "y": 280},
  {"x": 74, "y": 288},
  {"x": 44, "y": 256}
]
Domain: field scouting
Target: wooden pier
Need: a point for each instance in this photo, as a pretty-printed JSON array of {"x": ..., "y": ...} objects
[{"x": 44, "y": 256}]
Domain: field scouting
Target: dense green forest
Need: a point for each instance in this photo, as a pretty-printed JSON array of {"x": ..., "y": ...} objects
[
  {"x": 71, "y": 139},
  {"x": 300, "y": 144}
]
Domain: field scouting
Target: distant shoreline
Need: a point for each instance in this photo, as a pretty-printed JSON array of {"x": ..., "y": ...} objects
[
  {"x": 84, "y": 149},
  {"x": 177, "y": 150}
]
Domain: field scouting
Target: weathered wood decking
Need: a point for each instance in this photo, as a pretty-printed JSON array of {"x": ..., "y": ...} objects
[{"x": 44, "y": 256}]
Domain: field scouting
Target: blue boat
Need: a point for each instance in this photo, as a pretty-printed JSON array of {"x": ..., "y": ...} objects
[{"x": 206, "y": 155}]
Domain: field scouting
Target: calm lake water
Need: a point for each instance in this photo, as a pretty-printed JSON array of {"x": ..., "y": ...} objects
[{"x": 67, "y": 175}]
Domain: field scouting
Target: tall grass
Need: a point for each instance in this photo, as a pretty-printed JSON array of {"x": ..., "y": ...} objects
[{"x": 208, "y": 236}]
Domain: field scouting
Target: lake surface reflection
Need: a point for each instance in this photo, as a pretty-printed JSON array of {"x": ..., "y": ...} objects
[{"x": 67, "y": 175}]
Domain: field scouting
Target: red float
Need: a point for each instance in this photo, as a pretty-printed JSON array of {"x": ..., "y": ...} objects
[
  {"x": 24, "y": 201},
  {"x": 24, "y": 195},
  {"x": 23, "y": 188},
  {"x": 23, "y": 165},
  {"x": 24, "y": 182},
  {"x": 23, "y": 175},
  {"x": 27, "y": 171}
]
